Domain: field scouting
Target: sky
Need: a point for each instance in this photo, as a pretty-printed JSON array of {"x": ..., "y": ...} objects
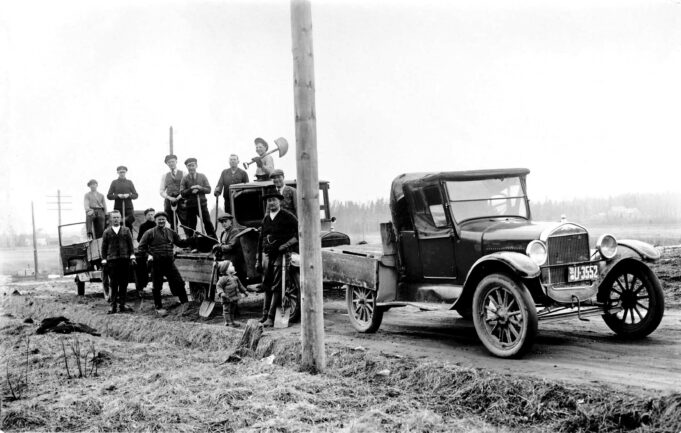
[{"x": 586, "y": 94}]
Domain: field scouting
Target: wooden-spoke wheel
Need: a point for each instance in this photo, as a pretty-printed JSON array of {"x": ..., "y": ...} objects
[
  {"x": 638, "y": 292},
  {"x": 364, "y": 314},
  {"x": 504, "y": 316}
]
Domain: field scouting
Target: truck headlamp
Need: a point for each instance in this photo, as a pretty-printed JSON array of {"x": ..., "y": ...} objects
[
  {"x": 536, "y": 251},
  {"x": 607, "y": 246}
]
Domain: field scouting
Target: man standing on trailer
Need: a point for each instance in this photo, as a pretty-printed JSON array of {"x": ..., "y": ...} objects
[
  {"x": 194, "y": 188},
  {"x": 118, "y": 253},
  {"x": 123, "y": 192},
  {"x": 289, "y": 193},
  {"x": 158, "y": 244},
  {"x": 264, "y": 162},
  {"x": 95, "y": 211},
  {"x": 230, "y": 176},
  {"x": 170, "y": 190},
  {"x": 279, "y": 232}
]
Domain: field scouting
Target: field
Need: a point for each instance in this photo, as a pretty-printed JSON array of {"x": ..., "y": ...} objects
[
  {"x": 150, "y": 374},
  {"x": 19, "y": 261}
]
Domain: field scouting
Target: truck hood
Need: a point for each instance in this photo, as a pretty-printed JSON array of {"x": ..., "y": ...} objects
[{"x": 508, "y": 234}]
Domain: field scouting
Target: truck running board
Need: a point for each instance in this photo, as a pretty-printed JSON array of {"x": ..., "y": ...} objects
[{"x": 570, "y": 312}]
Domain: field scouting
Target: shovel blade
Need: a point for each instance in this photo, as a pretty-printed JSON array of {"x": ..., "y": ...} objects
[
  {"x": 281, "y": 317},
  {"x": 206, "y": 308}
]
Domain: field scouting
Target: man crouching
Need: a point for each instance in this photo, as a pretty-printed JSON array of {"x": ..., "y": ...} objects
[
  {"x": 229, "y": 287},
  {"x": 158, "y": 244}
]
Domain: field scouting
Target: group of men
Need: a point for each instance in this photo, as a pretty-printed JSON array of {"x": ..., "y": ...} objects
[{"x": 185, "y": 204}]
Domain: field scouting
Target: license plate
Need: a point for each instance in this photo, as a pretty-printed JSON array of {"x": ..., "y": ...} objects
[{"x": 582, "y": 273}]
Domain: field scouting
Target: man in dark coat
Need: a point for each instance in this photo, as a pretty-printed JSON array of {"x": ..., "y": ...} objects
[
  {"x": 195, "y": 186},
  {"x": 158, "y": 244},
  {"x": 230, "y": 176},
  {"x": 118, "y": 253},
  {"x": 279, "y": 232},
  {"x": 123, "y": 192},
  {"x": 229, "y": 247}
]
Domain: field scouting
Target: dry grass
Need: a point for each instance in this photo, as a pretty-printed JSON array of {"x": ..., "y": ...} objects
[{"x": 169, "y": 375}]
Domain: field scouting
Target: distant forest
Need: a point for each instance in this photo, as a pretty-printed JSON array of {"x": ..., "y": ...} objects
[{"x": 664, "y": 208}]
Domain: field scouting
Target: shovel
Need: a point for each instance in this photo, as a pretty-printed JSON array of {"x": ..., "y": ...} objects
[
  {"x": 284, "y": 311},
  {"x": 209, "y": 303}
]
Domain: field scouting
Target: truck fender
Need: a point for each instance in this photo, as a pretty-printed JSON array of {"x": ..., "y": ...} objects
[
  {"x": 628, "y": 249},
  {"x": 515, "y": 264}
]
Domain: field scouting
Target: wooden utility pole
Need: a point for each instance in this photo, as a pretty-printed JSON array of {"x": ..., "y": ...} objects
[
  {"x": 312, "y": 330},
  {"x": 60, "y": 201},
  {"x": 171, "y": 140},
  {"x": 35, "y": 248}
]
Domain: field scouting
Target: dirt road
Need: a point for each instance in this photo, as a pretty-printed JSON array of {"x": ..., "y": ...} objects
[{"x": 571, "y": 350}]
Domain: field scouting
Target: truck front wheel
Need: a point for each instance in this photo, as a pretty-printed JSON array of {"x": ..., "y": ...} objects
[
  {"x": 364, "y": 314},
  {"x": 504, "y": 315}
]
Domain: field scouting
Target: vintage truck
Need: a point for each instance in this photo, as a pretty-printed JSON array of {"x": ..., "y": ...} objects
[
  {"x": 248, "y": 210},
  {"x": 466, "y": 241}
]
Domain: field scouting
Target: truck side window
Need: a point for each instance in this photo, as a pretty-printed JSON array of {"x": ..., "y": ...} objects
[{"x": 435, "y": 207}]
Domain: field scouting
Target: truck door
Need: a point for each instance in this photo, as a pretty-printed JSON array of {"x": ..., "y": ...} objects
[{"x": 434, "y": 232}]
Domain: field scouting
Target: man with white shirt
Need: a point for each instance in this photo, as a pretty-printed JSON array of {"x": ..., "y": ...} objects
[
  {"x": 170, "y": 191},
  {"x": 289, "y": 193},
  {"x": 279, "y": 232},
  {"x": 117, "y": 255},
  {"x": 230, "y": 176}
]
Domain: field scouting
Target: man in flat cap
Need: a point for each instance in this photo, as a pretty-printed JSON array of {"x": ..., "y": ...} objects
[
  {"x": 95, "y": 211},
  {"x": 194, "y": 188},
  {"x": 158, "y": 244},
  {"x": 230, "y": 176},
  {"x": 289, "y": 193},
  {"x": 123, "y": 192},
  {"x": 264, "y": 162},
  {"x": 229, "y": 247},
  {"x": 171, "y": 183},
  {"x": 118, "y": 255},
  {"x": 279, "y": 232}
]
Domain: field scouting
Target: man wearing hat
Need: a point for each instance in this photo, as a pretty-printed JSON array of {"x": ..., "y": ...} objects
[
  {"x": 289, "y": 193},
  {"x": 264, "y": 162},
  {"x": 230, "y": 176},
  {"x": 123, "y": 192},
  {"x": 229, "y": 247},
  {"x": 194, "y": 188},
  {"x": 95, "y": 211},
  {"x": 278, "y": 233},
  {"x": 170, "y": 190},
  {"x": 158, "y": 244}
]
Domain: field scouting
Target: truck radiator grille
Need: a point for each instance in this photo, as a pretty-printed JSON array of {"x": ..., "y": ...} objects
[{"x": 568, "y": 249}]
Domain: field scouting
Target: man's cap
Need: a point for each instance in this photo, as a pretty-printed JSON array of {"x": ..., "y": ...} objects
[
  {"x": 92, "y": 181},
  {"x": 121, "y": 167},
  {"x": 169, "y": 157},
  {"x": 277, "y": 172},
  {"x": 261, "y": 141},
  {"x": 272, "y": 192},
  {"x": 151, "y": 209},
  {"x": 160, "y": 214},
  {"x": 189, "y": 160},
  {"x": 225, "y": 217}
]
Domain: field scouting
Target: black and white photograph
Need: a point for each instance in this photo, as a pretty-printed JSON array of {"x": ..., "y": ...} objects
[{"x": 340, "y": 216}]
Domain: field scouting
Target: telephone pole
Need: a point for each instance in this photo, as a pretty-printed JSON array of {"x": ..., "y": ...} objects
[
  {"x": 60, "y": 201},
  {"x": 312, "y": 322},
  {"x": 35, "y": 248}
]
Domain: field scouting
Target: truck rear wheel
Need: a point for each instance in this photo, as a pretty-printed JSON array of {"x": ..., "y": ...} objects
[
  {"x": 504, "y": 316},
  {"x": 363, "y": 312}
]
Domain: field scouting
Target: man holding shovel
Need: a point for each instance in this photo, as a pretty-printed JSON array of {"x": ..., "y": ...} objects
[
  {"x": 170, "y": 191},
  {"x": 123, "y": 192},
  {"x": 194, "y": 188},
  {"x": 279, "y": 232},
  {"x": 158, "y": 244}
]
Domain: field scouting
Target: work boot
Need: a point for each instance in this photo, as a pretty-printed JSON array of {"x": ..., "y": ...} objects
[
  {"x": 268, "y": 323},
  {"x": 264, "y": 319},
  {"x": 162, "y": 312},
  {"x": 113, "y": 310}
]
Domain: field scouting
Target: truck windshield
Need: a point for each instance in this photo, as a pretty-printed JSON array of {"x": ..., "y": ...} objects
[{"x": 486, "y": 198}]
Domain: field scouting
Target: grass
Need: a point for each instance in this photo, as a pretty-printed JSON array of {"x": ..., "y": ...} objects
[{"x": 161, "y": 375}]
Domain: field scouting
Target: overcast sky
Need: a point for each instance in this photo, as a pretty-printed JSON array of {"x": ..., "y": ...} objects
[{"x": 586, "y": 94}]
